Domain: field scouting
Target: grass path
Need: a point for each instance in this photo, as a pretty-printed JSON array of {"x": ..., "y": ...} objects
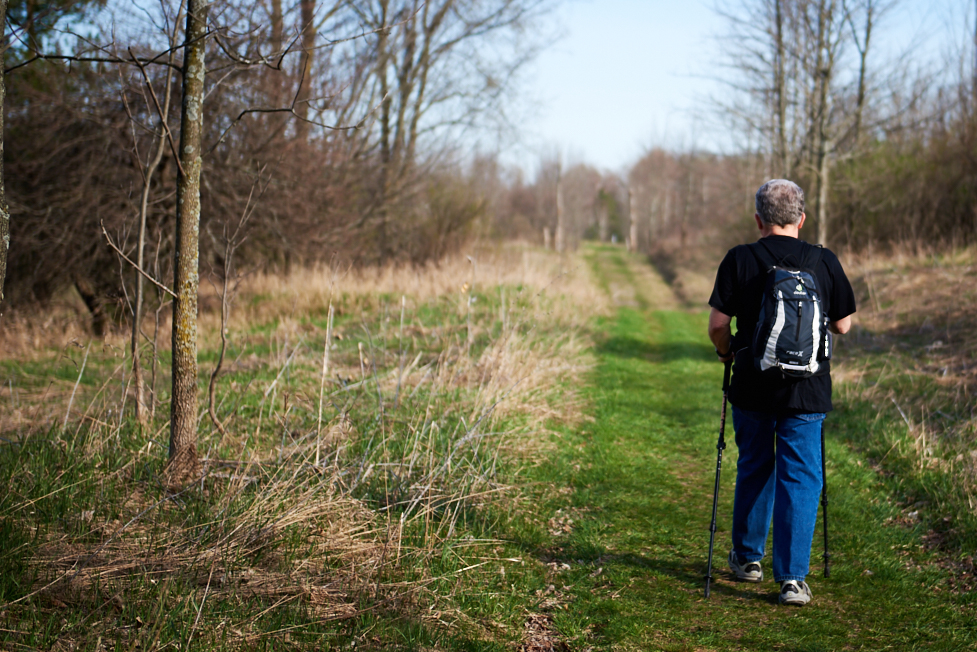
[{"x": 627, "y": 572}]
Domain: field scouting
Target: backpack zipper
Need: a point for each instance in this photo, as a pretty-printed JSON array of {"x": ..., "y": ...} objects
[{"x": 797, "y": 334}]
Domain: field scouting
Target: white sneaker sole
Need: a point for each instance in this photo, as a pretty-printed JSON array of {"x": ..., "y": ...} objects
[
  {"x": 741, "y": 575},
  {"x": 797, "y": 599}
]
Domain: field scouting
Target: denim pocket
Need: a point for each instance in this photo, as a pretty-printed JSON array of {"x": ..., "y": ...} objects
[{"x": 810, "y": 417}]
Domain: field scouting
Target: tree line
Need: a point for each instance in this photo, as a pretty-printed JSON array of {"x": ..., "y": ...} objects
[
  {"x": 881, "y": 138},
  {"x": 879, "y": 134},
  {"x": 339, "y": 120}
]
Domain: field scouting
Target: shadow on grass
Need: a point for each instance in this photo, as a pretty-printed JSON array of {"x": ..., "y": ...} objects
[
  {"x": 623, "y": 346},
  {"x": 688, "y": 574}
]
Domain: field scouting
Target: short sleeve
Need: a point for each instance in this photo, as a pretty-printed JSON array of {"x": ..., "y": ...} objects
[
  {"x": 724, "y": 293},
  {"x": 842, "y": 295}
]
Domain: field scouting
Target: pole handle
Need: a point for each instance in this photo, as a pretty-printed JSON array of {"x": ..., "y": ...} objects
[{"x": 728, "y": 364}]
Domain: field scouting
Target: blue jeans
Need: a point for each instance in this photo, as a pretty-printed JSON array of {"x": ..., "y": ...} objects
[{"x": 778, "y": 474}]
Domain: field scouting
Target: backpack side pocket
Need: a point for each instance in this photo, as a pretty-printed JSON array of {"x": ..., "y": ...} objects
[{"x": 827, "y": 341}]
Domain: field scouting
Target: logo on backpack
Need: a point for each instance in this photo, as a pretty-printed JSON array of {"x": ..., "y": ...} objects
[{"x": 791, "y": 336}]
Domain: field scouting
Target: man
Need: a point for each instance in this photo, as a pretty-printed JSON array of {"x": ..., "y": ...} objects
[{"x": 777, "y": 417}]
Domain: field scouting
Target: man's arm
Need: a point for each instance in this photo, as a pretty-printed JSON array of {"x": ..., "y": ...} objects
[
  {"x": 720, "y": 334},
  {"x": 839, "y": 327}
]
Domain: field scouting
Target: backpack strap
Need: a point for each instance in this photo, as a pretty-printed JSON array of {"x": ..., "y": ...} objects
[{"x": 812, "y": 257}]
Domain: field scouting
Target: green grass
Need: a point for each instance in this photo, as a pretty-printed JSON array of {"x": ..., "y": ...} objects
[
  {"x": 607, "y": 538},
  {"x": 641, "y": 477},
  {"x": 94, "y": 550}
]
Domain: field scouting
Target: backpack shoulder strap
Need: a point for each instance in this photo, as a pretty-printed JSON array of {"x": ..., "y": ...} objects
[
  {"x": 763, "y": 255},
  {"x": 812, "y": 256}
]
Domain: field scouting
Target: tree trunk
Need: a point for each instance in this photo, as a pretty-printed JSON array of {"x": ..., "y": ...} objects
[
  {"x": 183, "y": 464},
  {"x": 94, "y": 303},
  {"x": 383, "y": 44},
  {"x": 823, "y": 70},
  {"x": 663, "y": 223},
  {"x": 602, "y": 219},
  {"x": 780, "y": 82},
  {"x": 973, "y": 79},
  {"x": 561, "y": 235},
  {"x": 305, "y": 68},
  {"x": 4, "y": 211},
  {"x": 633, "y": 216},
  {"x": 277, "y": 28},
  {"x": 863, "y": 73},
  {"x": 824, "y": 173}
]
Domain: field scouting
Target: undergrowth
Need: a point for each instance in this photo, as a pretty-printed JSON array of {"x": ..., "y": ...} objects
[{"x": 314, "y": 523}]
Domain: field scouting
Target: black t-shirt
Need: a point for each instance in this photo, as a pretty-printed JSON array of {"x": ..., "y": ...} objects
[{"x": 738, "y": 292}]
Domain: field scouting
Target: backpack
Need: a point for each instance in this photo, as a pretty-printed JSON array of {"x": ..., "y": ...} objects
[{"x": 791, "y": 336}]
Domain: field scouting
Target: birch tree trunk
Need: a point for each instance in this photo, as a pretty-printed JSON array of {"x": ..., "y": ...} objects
[
  {"x": 4, "y": 212},
  {"x": 183, "y": 463}
]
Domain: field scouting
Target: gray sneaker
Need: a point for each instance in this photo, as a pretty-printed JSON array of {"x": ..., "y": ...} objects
[
  {"x": 794, "y": 592},
  {"x": 745, "y": 572}
]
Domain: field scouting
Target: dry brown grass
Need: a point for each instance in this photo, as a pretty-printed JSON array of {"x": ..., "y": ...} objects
[
  {"x": 311, "y": 290},
  {"x": 913, "y": 354},
  {"x": 421, "y": 424},
  {"x": 559, "y": 290}
]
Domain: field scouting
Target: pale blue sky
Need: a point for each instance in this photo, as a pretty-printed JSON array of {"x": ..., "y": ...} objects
[{"x": 630, "y": 74}]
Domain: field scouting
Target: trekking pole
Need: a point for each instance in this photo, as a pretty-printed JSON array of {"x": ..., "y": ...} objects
[
  {"x": 720, "y": 447},
  {"x": 824, "y": 504}
]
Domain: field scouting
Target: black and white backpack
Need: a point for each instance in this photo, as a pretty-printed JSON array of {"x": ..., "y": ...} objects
[{"x": 791, "y": 336}]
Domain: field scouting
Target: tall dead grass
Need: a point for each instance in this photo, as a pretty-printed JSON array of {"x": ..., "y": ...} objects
[
  {"x": 439, "y": 379},
  {"x": 913, "y": 355}
]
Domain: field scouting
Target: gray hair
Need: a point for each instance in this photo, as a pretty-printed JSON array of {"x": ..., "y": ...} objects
[{"x": 780, "y": 202}]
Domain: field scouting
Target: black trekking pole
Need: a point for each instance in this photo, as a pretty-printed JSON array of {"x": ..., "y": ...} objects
[
  {"x": 824, "y": 504},
  {"x": 720, "y": 447}
]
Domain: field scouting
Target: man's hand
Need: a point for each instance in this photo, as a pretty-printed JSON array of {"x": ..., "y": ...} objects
[{"x": 721, "y": 335}]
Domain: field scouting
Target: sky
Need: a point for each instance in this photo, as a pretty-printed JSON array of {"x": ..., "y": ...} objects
[{"x": 628, "y": 75}]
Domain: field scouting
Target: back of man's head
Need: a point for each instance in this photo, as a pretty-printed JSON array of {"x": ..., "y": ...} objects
[{"x": 780, "y": 202}]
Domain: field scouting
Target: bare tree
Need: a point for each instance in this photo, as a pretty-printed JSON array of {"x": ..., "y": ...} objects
[
  {"x": 4, "y": 212},
  {"x": 148, "y": 170},
  {"x": 801, "y": 91},
  {"x": 183, "y": 462},
  {"x": 280, "y": 70},
  {"x": 432, "y": 73}
]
